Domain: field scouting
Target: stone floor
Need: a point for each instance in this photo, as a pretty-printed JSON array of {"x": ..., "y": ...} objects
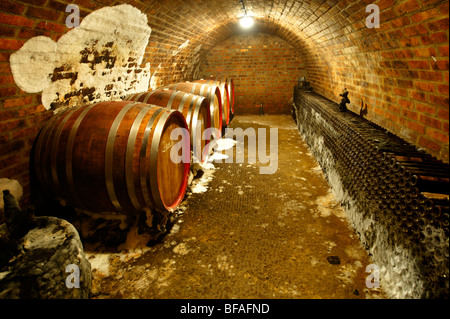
[{"x": 242, "y": 234}]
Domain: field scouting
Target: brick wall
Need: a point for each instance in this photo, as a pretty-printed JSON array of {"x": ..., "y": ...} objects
[{"x": 264, "y": 68}]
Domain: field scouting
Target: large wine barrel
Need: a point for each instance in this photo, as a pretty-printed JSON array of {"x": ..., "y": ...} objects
[
  {"x": 224, "y": 95},
  {"x": 230, "y": 86},
  {"x": 195, "y": 109},
  {"x": 212, "y": 93},
  {"x": 113, "y": 156}
]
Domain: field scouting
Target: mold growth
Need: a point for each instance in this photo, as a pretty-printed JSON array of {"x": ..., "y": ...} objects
[{"x": 97, "y": 61}]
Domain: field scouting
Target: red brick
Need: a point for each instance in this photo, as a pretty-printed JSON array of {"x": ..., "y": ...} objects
[
  {"x": 7, "y": 91},
  {"x": 439, "y": 100},
  {"x": 402, "y": 54},
  {"x": 410, "y": 42},
  {"x": 425, "y": 86},
  {"x": 424, "y": 52},
  {"x": 25, "y": 111},
  {"x": 430, "y": 76},
  {"x": 405, "y": 104},
  {"x": 401, "y": 92},
  {"x": 43, "y": 13},
  {"x": 428, "y": 143},
  {"x": 444, "y": 8},
  {"x": 438, "y": 135},
  {"x": 406, "y": 84},
  {"x": 407, "y": 6},
  {"x": 390, "y": 116},
  {"x": 396, "y": 34},
  {"x": 29, "y": 33},
  {"x": 12, "y": 125},
  {"x": 9, "y": 161},
  {"x": 424, "y": 65},
  {"x": 15, "y": 20},
  {"x": 438, "y": 25},
  {"x": 416, "y": 127},
  {"x": 400, "y": 22},
  {"x": 440, "y": 65},
  {"x": 443, "y": 89},
  {"x": 17, "y": 170},
  {"x": 39, "y": 3},
  {"x": 11, "y": 7},
  {"x": 419, "y": 96},
  {"x": 383, "y": 4},
  {"x": 443, "y": 114},
  {"x": 429, "y": 121},
  {"x": 6, "y": 79},
  {"x": 443, "y": 51},
  {"x": 14, "y": 146},
  {"x": 425, "y": 15},
  {"x": 49, "y": 26},
  {"x": 17, "y": 102},
  {"x": 415, "y": 30},
  {"x": 400, "y": 64},
  {"x": 425, "y": 108},
  {"x": 440, "y": 37},
  {"x": 29, "y": 132},
  {"x": 7, "y": 32},
  {"x": 388, "y": 55},
  {"x": 10, "y": 44},
  {"x": 410, "y": 114}
]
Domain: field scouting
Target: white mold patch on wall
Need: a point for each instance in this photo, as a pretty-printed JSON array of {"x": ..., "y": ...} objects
[{"x": 98, "y": 61}]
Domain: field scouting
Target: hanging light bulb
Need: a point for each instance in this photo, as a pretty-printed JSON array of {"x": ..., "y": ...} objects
[{"x": 246, "y": 22}]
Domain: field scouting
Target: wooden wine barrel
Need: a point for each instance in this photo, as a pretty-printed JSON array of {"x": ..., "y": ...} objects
[
  {"x": 224, "y": 95},
  {"x": 195, "y": 109},
  {"x": 212, "y": 93},
  {"x": 113, "y": 156},
  {"x": 230, "y": 85}
]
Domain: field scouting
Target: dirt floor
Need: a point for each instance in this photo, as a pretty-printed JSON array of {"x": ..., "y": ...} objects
[{"x": 242, "y": 234}]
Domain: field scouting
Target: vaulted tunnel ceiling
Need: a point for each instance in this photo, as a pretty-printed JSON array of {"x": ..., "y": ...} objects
[
  {"x": 322, "y": 32},
  {"x": 382, "y": 67}
]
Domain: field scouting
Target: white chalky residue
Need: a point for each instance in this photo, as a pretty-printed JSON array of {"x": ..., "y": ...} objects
[
  {"x": 201, "y": 185},
  {"x": 181, "y": 249},
  {"x": 14, "y": 188},
  {"x": 225, "y": 144},
  {"x": 99, "y": 262},
  {"x": 118, "y": 35},
  {"x": 217, "y": 157}
]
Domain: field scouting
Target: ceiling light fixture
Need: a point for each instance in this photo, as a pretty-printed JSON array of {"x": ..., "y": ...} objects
[{"x": 246, "y": 21}]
